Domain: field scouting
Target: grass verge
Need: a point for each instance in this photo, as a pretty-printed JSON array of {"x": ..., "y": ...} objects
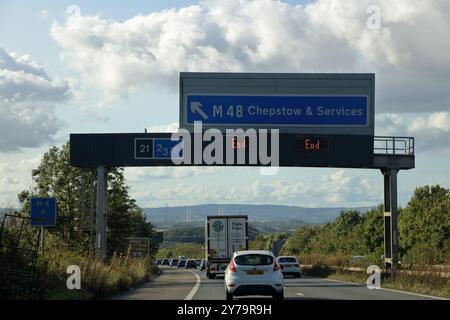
[
  {"x": 99, "y": 280},
  {"x": 429, "y": 285}
]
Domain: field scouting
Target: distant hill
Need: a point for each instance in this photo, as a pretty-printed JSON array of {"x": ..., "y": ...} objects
[{"x": 161, "y": 216}]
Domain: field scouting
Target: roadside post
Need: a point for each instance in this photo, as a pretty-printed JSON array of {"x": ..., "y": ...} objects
[
  {"x": 140, "y": 247},
  {"x": 43, "y": 214}
]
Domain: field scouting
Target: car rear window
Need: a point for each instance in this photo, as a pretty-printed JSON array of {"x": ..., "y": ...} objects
[
  {"x": 287, "y": 260},
  {"x": 253, "y": 260}
]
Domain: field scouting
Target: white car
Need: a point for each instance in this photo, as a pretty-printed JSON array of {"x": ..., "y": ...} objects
[
  {"x": 253, "y": 272},
  {"x": 290, "y": 266}
]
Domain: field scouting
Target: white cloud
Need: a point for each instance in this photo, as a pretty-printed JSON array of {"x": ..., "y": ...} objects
[
  {"x": 27, "y": 102},
  {"x": 8, "y": 184},
  {"x": 181, "y": 192},
  {"x": 339, "y": 188},
  {"x": 44, "y": 14},
  {"x": 171, "y": 127},
  {"x": 409, "y": 54},
  {"x": 26, "y": 165},
  {"x": 15, "y": 175},
  {"x": 21, "y": 166},
  {"x": 4, "y": 167},
  {"x": 431, "y": 131},
  {"x": 141, "y": 174},
  {"x": 439, "y": 121}
]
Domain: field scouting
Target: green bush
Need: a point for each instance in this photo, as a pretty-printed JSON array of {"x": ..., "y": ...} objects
[
  {"x": 98, "y": 279},
  {"x": 189, "y": 250},
  {"x": 317, "y": 271}
]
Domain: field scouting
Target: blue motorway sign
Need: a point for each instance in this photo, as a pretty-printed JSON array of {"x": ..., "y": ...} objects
[
  {"x": 163, "y": 148},
  {"x": 157, "y": 148},
  {"x": 43, "y": 212},
  {"x": 278, "y": 110}
]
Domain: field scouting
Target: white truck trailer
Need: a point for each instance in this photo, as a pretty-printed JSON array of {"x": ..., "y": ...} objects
[{"x": 223, "y": 236}]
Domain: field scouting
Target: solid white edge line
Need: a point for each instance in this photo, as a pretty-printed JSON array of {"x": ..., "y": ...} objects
[
  {"x": 195, "y": 287},
  {"x": 385, "y": 289},
  {"x": 415, "y": 294}
]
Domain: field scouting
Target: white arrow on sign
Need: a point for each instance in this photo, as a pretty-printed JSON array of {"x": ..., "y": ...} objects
[{"x": 196, "y": 107}]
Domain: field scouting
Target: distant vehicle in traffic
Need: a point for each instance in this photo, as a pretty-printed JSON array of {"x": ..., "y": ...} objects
[
  {"x": 290, "y": 266},
  {"x": 181, "y": 263},
  {"x": 173, "y": 262},
  {"x": 382, "y": 259},
  {"x": 253, "y": 272},
  {"x": 198, "y": 261},
  {"x": 181, "y": 258},
  {"x": 165, "y": 262},
  {"x": 158, "y": 261},
  {"x": 359, "y": 259},
  {"x": 191, "y": 264}
]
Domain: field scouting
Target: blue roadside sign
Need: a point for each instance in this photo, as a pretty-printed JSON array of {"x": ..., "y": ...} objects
[
  {"x": 286, "y": 110},
  {"x": 157, "y": 148},
  {"x": 163, "y": 148},
  {"x": 43, "y": 212}
]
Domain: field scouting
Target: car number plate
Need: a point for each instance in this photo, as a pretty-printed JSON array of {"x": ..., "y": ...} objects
[{"x": 255, "y": 272}]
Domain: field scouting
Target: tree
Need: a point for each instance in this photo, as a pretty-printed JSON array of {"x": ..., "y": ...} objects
[
  {"x": 424, "y": 231},
  {"x": 55, "y": 177},
  {"x": 346, "y": 231},
  {"x": 189, "y": 250},
  {"x": 325, "y": 240},
  {"x": 373, "y": 234},
  {"x": 425, "y": 223},
  {"x": 301, "y": 241}
]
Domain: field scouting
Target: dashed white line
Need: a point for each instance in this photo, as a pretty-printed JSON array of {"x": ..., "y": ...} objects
[
  {"x": 195, "y": 288},
  {"x": 353, "y": 283}
]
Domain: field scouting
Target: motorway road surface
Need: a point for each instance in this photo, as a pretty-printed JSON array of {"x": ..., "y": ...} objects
[{"x": 192, "y": 284}]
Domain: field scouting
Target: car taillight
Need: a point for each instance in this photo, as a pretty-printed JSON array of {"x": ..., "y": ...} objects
[
  {"x": 232, "y": 266},
  {"x": 276, "y": 267}
]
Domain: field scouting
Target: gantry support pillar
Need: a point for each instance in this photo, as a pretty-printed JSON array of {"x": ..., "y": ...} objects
[{"x": 390, "y": 218}]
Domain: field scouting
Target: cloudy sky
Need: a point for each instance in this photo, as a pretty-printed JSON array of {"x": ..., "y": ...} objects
[{"x": 113, "y": 66}]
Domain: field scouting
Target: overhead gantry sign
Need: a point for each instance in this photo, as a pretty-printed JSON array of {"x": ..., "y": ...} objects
[{"x": 253, "y": 119}]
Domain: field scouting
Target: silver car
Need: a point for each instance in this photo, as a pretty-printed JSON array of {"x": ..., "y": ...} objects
[{"x": 290, "y": 266}]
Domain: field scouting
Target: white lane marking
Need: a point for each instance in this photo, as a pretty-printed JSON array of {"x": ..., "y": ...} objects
[
  {"x": 355, "y": 284},
  {"x": 398, "y": 291},
  {"x": 415, "y": 294},
  {"x": 299, "y": 294},
  {"x": 195, "y": 288}
]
